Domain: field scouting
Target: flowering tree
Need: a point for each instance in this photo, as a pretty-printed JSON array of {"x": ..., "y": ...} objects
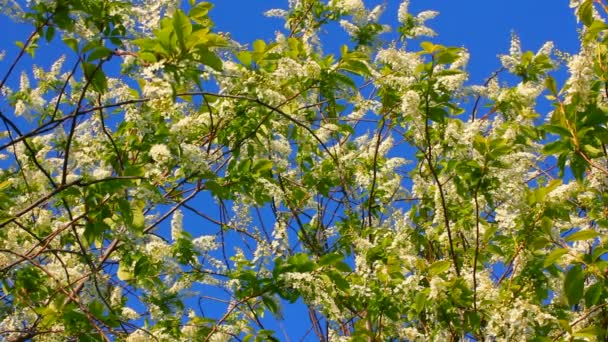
[{"x": 371, "y": 189}]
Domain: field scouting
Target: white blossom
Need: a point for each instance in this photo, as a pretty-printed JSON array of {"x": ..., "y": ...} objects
[
  {"x": 116, "y": 295},
  {"x": 351, "y": 5},
  {"x": 129, "y": 313},
  {"x": 349, "y": 27},
  {"x": 205, "y": 243},
  {"x": 160, "y": 153},
  {"x": 403, "y": 11},
  {"x": 276, "y": 12},
  {"x": 375, "y": 14},
  {"x": 177, "y": 225}
]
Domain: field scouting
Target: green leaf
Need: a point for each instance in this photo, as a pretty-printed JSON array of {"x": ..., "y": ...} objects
[
  {"x": 429, "y": 47},
  {"x": 437, "y": 114},
  {"x": 593, "y": 294},
  {"x": 330, "y": 259},
  {"x": 261, "y": 166},
  {"x": 137, "y": 210},
  {"x": 554, "y": 255},
  {"x": 447, "y": 56},
  {"x": 556, "y": 147},
  {"x": 343, "y": 267},
  {"x": 564, "y": 132},
  {"x": 182, "y": 27},
  {"x": 216, "y": 189},
  {"x": 71, "y": 43},
  {"x": 147, "y": 57},
  {"x": 592, "y": 151},
  {"x": 99, "y": 53},
  {"x": 420, "y": 301},
  {"x": 574, "y": 284},
  {"x": 592, "y": 332},
  {"x": 50, "y": 33},
  {"x": 124, "y": 273},
  {"x": 95, "y": 76},
  {"x": 244, "y": 57},
  {"x": 356, "y": 67},
  {"x": 582, "y": 235},
  {"x": 93, "y": 231},
  {"x": 551, "y": 85},
  {"x": 439, "y": 267},
  {"x": 4, "y": 184},
  {"x": 598, "y": 252},
  {"x": 339, "y": 280},
  {"x": 259, "y": 46},
  {"x": 143, "y": 266},
  {"x": 209, "y": 58},
  {"x": 578, "y": 165},
  {"x": 199, "y": 12},
  {"x": 270, "y": 304},
  {"x": 585, "y": 12},
  {"x": 96, "y": 308},
  {"x": 594, "y": 29}
]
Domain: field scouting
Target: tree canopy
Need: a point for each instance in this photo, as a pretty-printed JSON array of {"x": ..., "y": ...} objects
[{"x": 161, "y": 181}]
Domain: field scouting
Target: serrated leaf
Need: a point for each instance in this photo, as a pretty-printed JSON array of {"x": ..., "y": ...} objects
[
  {"x": 147, "y": 57},
  {"x": 71, "y": 43},
  {"x": 330, "y": 259},
  {"x": 447, "y": 56},
  {"x": 554, "y": 255},
  {"x": 439, "y": 267},
  {"x": 598, "y": 252},
  {"x": 259, "y": 46},
  {"x": 593, "y": 294},
  {"x": 209, "y": 58},
  {"x": 428, "y": 47},
  {"x": 270, "y": 304},
  {"x": 585, "y": 12},
  {"x": 551, "y": 85},
  {"x": 339, "y": 280},
  {"x": 261, "y": 166},
  {"x": 244, "y": 57},
  {"x": 50, "y": 33},
  {"x": 95, "y": 76},
  {"x": 123, "y": 272},
  {"x": 215, "y": 188},
  {"x": 556, "y": 147},
  {"x": 582, "y": 235},
  {"x": 343, "y": 267},
  {"x": 557, "y": 130},
  {"x": 99, "y": 53},
  {"x": 574, "y": 284},
  {"x": 589, "y": 332},
  {"x": 139, "y": 220},
  {"x": 5, "y": 184},
  {"x": 199, "y": 12},
  {"x": 181, "y": 26}
]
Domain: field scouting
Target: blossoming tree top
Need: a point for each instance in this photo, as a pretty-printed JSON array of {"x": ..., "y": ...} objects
[{"x": 163, "y": 182}]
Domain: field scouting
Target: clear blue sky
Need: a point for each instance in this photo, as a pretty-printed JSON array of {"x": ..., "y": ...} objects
[{"x": 483, "y": 27}]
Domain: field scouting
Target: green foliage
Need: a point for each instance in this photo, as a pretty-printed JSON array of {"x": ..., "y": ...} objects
[{"x": 163, "y": 181}]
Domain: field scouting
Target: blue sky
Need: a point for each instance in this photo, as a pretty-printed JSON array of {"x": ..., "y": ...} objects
[{"x": 483, "y": 27}]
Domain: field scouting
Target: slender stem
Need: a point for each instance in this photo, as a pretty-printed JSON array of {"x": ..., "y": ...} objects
[
  {"x": 428, "y": 157},
  {"x": 476, "y": 256}
]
